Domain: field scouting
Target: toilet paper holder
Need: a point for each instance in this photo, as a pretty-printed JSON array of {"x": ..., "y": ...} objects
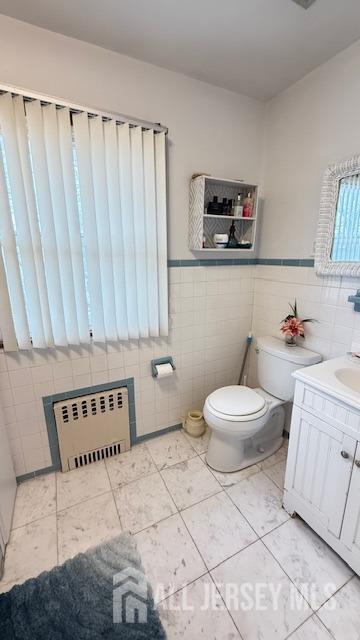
[{"x": 164, "y": 360}]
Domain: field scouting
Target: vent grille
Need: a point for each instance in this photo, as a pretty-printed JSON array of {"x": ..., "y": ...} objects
[
  {"x": 92, "y": 427},
  {"x": 92, "y": 406},
  {"x": 88, "y": 457}
]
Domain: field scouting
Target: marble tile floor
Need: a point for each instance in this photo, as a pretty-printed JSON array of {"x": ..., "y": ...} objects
[{"x": 225, "y": 560}]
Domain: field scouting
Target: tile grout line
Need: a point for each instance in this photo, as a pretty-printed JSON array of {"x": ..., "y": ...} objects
[
  {"x": 198, "y": 550},
  {"x": 189, "y": 533},
  {"x": 112, "y": 489},
  {"x": 166, "y": 488},
  {"x": 179, "y": 511},
  {"x": 122, "y": 530},
  {"x": 270, "y": 478},
  {"x": 323, "y": 624},
  {"x": 234, "y": 554},
  {"x": 313, "y": 611},
  {"x": 314, "y": 615},
  {"x": 235, "y": 505},
  {"x": 180, "y": 461},
  {"x": 184, "y": 586},
  {"x": 226, "y": 608},
  {"x": 260, "y": 538},
  {"x": 113, "y": 496},
  {"x": 288, "y": 577},
  {"x": 179, "y": 514},
  {"x": 158, "y": 471},
  {"x": 77, "y": 504},
  {"x": 135, "y": 533},
  {"x": 202, "y": 499},
  {"x": 335, "y": 592}
]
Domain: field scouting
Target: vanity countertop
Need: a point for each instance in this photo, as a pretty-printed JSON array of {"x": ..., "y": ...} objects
[{"x": 339, "y": 377}]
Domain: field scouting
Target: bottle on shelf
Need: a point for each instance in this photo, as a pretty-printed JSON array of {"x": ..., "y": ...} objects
[
  {"x": 215, "y": 207},
  {"x": 248, "y": 206},
  {"x": 238, "y": 208},
  {"x": 232, "y": 242},
  {"x": 225, "y": 206}
]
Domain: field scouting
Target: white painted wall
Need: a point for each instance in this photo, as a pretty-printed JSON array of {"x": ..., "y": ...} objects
[
  {"x": 311, "y": 125},
  {"x": 211, "y": 309},
  {"x": 210, "y": 129},
  {"x": 308, "y": 127}
]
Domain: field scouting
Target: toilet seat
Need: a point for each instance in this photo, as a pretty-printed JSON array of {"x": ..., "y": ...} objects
[
  {"x": 236, "y": 404},
  {"x": 251, "y": 408}
]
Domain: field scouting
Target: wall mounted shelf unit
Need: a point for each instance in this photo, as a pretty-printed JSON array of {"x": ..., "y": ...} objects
[{"x": 203, "y": 225}]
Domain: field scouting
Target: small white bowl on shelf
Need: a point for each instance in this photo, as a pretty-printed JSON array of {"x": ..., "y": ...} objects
[{"x": 221, "y": 240}]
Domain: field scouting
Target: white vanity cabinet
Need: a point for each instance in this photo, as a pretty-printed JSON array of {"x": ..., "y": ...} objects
[
  {"x": 351, "y": 526},
  {"x": 322, "y": 482}
]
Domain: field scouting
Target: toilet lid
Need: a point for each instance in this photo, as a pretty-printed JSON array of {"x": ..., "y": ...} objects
[{"x": 236, "y": 401}]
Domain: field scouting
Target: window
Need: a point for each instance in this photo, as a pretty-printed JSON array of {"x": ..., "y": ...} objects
[
  {"x": 82, "y": 227},
  {"x": 337, "y": 247},
  {"x": 346, "y": 240}
]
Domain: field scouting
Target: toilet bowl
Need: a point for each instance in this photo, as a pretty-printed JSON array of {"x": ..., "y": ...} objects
[{"x": 247, "y": 424}]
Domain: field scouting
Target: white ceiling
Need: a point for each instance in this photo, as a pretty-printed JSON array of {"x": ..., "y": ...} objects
[{"x": 255, "y": 47}]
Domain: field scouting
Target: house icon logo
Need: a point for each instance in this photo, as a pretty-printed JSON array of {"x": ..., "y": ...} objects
[{"x": 130, "y": 596}]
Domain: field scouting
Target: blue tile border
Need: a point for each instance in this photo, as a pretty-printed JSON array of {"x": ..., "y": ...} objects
[
  {"x": 219, "y": 262},
  {"x": 48, "y": 402},
  {"x": 34, "y": 474},
  {"x": 161, "y": 432}
]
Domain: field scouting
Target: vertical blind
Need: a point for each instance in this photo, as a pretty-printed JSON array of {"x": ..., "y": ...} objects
[{"x": 82, "y": 227}]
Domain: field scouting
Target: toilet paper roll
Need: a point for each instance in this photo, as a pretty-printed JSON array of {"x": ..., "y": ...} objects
[{"x": 164, "y": 370}]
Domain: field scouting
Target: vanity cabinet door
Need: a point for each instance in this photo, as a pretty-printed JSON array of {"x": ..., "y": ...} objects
[
  {"x": 350, "y": 535},
  {"x": 319, "y": 468}
]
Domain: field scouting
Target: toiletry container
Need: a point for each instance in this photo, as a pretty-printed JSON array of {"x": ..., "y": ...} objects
[
  {"x": 215, "y": 207},
  {"x": 248, "y": 206},
  {"x": 238, "y": 208}
]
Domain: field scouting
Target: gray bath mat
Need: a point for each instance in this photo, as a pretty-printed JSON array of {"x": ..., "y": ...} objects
[{"x": 102, "y": 593}]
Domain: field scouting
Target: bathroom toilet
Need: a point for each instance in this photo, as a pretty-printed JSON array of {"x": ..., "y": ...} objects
[{"x": 247, "y": 424}]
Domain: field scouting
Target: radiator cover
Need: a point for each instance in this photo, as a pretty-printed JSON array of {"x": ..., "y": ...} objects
[{"x": 92, "y": 427}]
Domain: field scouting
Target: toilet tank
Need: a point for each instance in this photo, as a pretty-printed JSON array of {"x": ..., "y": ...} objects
[{"x": 277, "y": 361}]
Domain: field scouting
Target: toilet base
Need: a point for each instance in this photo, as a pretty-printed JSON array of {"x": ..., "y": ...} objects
[{"x": 228, "y": 453}]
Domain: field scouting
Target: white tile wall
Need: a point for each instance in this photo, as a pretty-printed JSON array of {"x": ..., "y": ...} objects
[
  {"x": 210, "y": 316},
  {"x": 212, "y": 309},
  {"x": 321, "y": 298}
]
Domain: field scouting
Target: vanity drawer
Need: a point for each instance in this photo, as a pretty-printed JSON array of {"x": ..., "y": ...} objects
[{"x": 333, "y": 411}]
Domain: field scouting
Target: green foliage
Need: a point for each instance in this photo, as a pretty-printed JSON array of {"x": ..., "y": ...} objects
[{"x": 294, "y": 314}]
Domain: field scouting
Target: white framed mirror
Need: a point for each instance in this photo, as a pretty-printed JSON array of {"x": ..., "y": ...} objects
[{"x": 337, "y": 247}]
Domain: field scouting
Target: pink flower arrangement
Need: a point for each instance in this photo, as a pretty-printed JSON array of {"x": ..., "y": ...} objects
[{"x": 292, "y": 327}]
